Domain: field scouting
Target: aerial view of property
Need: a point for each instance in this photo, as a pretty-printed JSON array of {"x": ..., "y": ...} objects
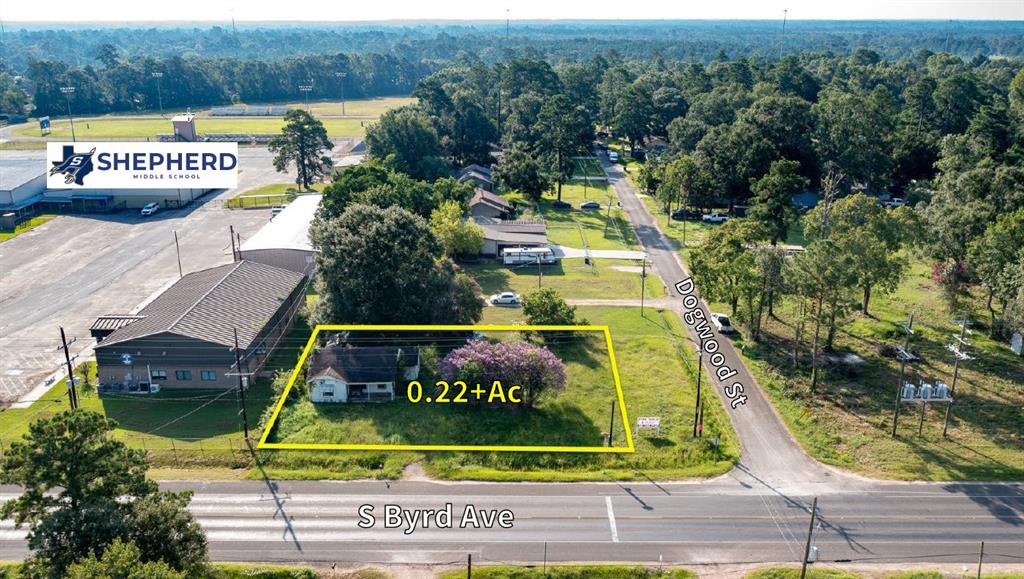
[{"x": 530, "y": 290}]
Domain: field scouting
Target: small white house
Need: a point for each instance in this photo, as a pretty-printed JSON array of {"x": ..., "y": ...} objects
[{"x": 345, "y": 374}]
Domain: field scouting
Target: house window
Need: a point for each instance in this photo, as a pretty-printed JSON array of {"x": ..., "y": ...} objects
[
  {"x": 382, "y": 386},
  {"x": 208, "y": 375},
  {"x": 327, "y": 393},
  {"x": 183, "y": 374},
  {"x": 158, "y": 374}
]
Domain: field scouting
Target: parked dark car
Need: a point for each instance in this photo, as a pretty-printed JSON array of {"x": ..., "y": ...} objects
[
  {"x": 590, "y": 205},
  {"x": 687, "y": 214},
  {"x": 561, "y": 205}
]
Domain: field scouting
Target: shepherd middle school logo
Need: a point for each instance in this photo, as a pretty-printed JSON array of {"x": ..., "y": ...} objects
[{"x": 114, "y": 165}]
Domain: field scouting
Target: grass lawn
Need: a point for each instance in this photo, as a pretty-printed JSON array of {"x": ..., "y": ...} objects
[
  {"x": 26, "y": 225},
  {"x": 849, "y": 423},
  {"x": 588, "y": 167},
  {"x": 650, "y": 368},
  {"x": 571, "y": 277},
  {"x": 371, "y": 107},
  {"x": 268, "y": 195},
  {"x": 591, "y": 228},
  {"x": 695, "y": 230},
  {"x": 115, "y": 127},
  {"x": 570, "y": 572}
]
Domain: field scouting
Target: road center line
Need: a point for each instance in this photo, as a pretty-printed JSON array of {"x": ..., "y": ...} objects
[{"x": 611, "y": 519}]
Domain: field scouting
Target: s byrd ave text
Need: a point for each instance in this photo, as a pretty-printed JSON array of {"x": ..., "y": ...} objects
[{"x": 409, "y": 520}]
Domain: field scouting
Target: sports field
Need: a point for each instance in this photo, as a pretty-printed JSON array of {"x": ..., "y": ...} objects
[{"x": 359, "y": 113}]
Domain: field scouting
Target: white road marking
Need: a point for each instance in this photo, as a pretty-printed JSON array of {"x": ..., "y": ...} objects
[{"x": 611, "y": 519}]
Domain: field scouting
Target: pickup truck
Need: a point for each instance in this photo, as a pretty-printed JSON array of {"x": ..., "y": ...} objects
[{"x": 714, "y": 218}]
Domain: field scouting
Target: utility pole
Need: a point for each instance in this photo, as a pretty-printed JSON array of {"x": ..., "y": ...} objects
[
  {"x": 696, "y": 407},
  {"x": 830, "y": 184},
  {"x": 306, "y": 89},
  {"x": 68, "y": 91},
  {"x": 72, "y": 392},
  {"x": 643, "y": 283},
  {"x": 177, "y": 249},
  {"x": 959, "y": 353},
  {"x": 241, "y": 386},
  {"x": 469, "y": 566},
  {"x": 159, "y": 96},
  {"x": 981, "y": 558},
  {"x": 810, "y": 532},
  {"x": 540, "y": 272},
  {"x": 904, "y": 356},
  {"x": 611, "y": 426},
  {"x": 234, "y": 253},
  {"x": 341, "y": 76}
]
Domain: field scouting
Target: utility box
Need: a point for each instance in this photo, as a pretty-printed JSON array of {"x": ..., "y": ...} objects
[
  {"x": 908, "y": 391},
  {"x": 926, "y": 391}
]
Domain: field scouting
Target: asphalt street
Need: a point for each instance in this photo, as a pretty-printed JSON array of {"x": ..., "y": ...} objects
[{"x": 713, "y": 522}]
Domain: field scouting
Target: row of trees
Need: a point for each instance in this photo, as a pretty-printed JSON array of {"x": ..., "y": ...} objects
[
  {"x": 558, "y": 41},
  {"x": 115, "y": 84}
]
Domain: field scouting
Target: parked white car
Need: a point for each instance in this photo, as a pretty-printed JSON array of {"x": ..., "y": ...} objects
[
  {"x": 722, "y": 323},
  {"x": 714, "y": 218},
  {"x": 150, "y": 209},
  {"x": 505, "y": 299},
  {"x": 894, "y": 202}
]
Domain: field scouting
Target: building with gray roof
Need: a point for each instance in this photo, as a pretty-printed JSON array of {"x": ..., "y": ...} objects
[
  {"x": 284, "y": 241},
  {"x": 185, "y": 337}
]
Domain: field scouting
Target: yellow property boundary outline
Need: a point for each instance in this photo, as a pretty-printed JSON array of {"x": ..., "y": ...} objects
[{"x": 629, "y": 448}]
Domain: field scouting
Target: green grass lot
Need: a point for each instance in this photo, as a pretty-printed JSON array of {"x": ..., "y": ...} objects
[
  {"x": 26, "y": 225},
  {"x": 268, "y": 195},
  {"x": 570, "y": 572},
  {"x": 591, "y": 228},
  {"x": 372, "y": 107},
  {"x": 695, "y": 231},
  {"x": 850, "y": 422},
  {"x": 571, "y": 277},
  {"x": 122, "y": 127},
  {"x": 588, "y": 167},
  {"x": 650, "y": 367}
]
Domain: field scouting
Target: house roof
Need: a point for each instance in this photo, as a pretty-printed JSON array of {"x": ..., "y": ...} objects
[
  {"x": 209, "y": 304},
  {"x": 289, "y": 229},
  {"x": 482, "y": 197},
  {"x": 363, "y": 364},
  {"x": 478, "y": 169},
  {"x": 514, "y": 232}
]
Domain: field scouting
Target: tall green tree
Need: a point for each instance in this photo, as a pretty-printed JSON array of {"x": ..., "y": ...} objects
[
  {"x": 772, "y": 204},
  {"x": 458, "y": 236},
  {"x": 369, "y": 256},
  {"x": 996, "y": 256},
  {"x": 405, "y": 139},
  {"x": 82, "y": 489},
  {"x": 519, "y": 170},
  {"x": 302, "y": 141},
  {"x": 564, "y": 133},
  {"x": 546, "y": 307},
  {"x": 634, "y": 115}
]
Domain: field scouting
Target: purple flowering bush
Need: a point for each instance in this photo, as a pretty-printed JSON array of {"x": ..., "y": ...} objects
[{"x": 534, "y": 368}]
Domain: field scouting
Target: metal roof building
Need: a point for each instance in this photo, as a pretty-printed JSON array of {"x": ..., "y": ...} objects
[
  {"x": 185, "y": 337},
  {"x": 284, "y": 241}
]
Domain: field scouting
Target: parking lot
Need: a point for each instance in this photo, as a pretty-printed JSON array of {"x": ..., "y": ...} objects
[{"x": 74, "y": 268}]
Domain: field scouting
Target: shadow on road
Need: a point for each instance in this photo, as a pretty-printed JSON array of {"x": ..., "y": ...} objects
[{"x": 278, "y": 500}]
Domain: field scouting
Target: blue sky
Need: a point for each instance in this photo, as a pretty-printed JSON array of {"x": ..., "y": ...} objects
[{"x": 341, "y": 10}]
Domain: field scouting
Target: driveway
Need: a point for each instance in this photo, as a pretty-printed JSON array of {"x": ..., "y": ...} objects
[{"x": 75, "y": 268}]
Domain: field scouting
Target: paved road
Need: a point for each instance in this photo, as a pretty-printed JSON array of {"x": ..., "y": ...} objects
[
  {"x": 769, "y": 453},
  {"x": 77, "y": 267},
  {"x": 719, "y": 521}
]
